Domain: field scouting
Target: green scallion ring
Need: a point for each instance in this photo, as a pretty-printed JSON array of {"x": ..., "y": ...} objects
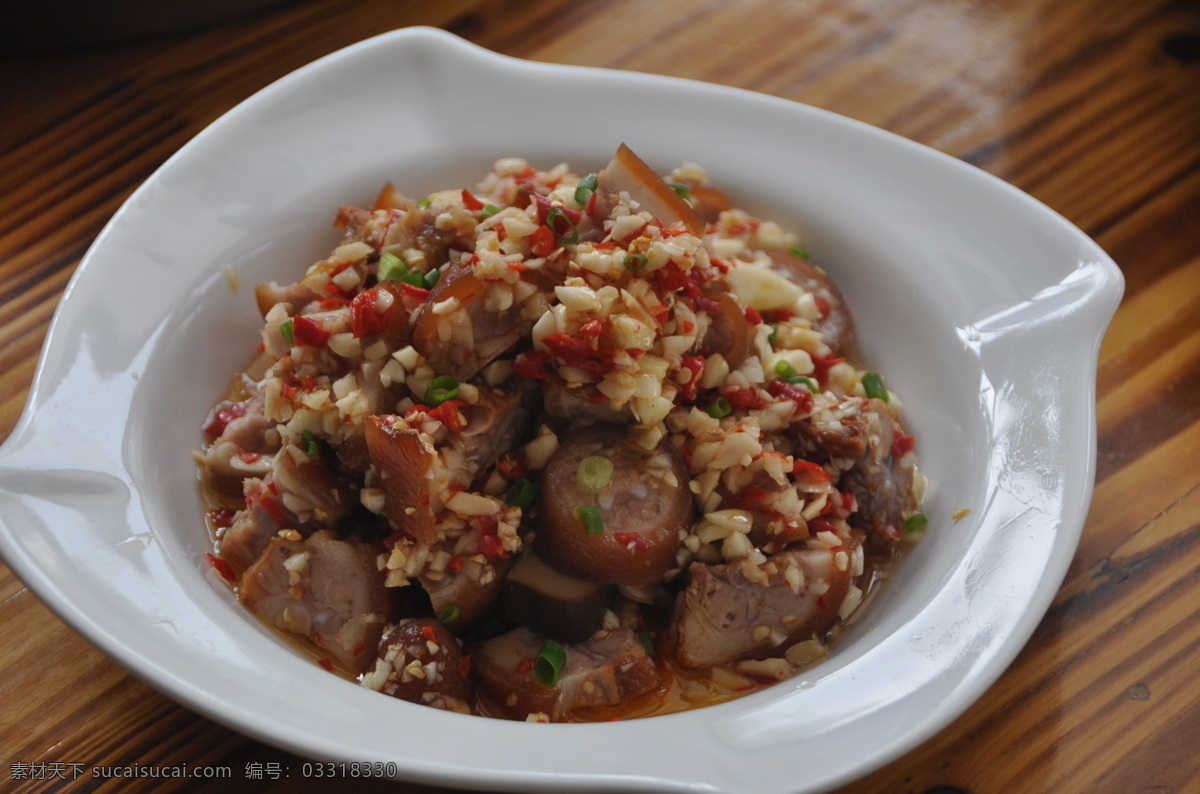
[
  {"x": 585, "y": 188},
  {"x": 798, "y": 251},
  {"x": 414, "y": 277},
  {"x": 719, "y": 408},
  {"x": 873, "y": 385},
  {"x": 647, "y": 643},
  {"x": 521, "y": 493},
  {"x": 784, "y": 369},
  {"x": 772, "y": 336},
  {"x": 449, "y": 614},
  {"x": 548, "y": 665},
  {"x": 431, "y": 278},
  {"x": 594, "y": 473},
  {"x": 488, "y": 210},
  {"x": 681, "y": 189},
  {"x": 589, "y": 516},
  {"x": 635, "y": 261},
  {"x": 424, "y": 203},
  {"x": 310, "y": 443},
  {"x": 915, "y": 522},
  {"x": 390, "y": 267},
  {"x": 286, "y": 330},
  {"x": 440, "y": 389},
  {"x": 555, "y": 220}
]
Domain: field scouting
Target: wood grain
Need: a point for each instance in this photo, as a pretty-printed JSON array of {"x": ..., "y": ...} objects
[{"x": 1093, "y": 107}]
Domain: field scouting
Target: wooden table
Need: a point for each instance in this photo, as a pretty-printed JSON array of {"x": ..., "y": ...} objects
[{"x": 1092, "y": 106}]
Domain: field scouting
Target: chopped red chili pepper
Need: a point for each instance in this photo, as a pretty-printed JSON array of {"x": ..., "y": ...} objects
[
  {"x": 470, "y": 202},
  {"x": 745, "y": 399},
  {"x": 902, "y": 445},
  {"x": 491, "y": 547},
  {"x": 417, "y": 292},
  {"x": 819, "y": 524},
  {"x": 221, "y": 517},
  {"x": 221, "y": 567},
  {"x": 464, "y": 667},
  {"x": 365, "y": 317},
  {"x": 746, "y": 498},
  {"x": 248, "y": 457},
  {"x": 454, "y": 414},
  {"x": 822, "y": 365},
  {"x": 429, "y": 633},
  {"x": 637, "y": 540},
  {"x": 574, "y": 352},
  {"x": 791, "y": 391},
  {"x": 752, "y": 316},
  {"x": 823, "y": 306},
  {"x": 328, "y": 665},
  {"x": 308, "y": 332},
  {"x": 806, "y": 468},
  {"x": 542, "y": 242},
  {"x": 524, "y": 666},
  {"x": 532, "y": 364},
  {"x": 219, "y": 420},
  {"x": 593, "y": 328}
]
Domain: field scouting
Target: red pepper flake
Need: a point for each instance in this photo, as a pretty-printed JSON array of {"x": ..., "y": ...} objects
[
  {"x": 308, "y": 332},
  {"x": 221, "y": 567},
  {"x": 455, "y": 565},
  {"x": 429, "y": 633},
  {"x": 778, "y": 315},
  {"x": 593, "y": 328},
  {"x": 806, "y": 468},
  {"x": 532, "y": 364},
  {"x": 607, "y": 245},
  {"x": 274, "y": 510},
  {"x": 902, "y": 445},
  {"x": 524, "y": 666},
  {"x": 416, "y": 292},
  {"x": 464, "y": 667},
  {"x": 218, "y": 421},
  {"x": 325, "y": 663},
  {"x": 365, "y": 317},
  {"x": 510, "y": 467},
  {"x": 491, "y": 546},
  {"x": 470, "y": 202},
  {"x": 745, "y": 399},
  {"x": 819, "y": 524},
  {"x": 454, "y": 414},
  {"x": 247, "y": 457},
  {"x": 542, "y": 242},
  {"x": 395, "y": 538},
  {"x": 597, "y": 397},
  {"x": 800, "y": 395},
  {"x": 333, "y": 303},
  {"x": 574, "y": 352},
  {"x": 752, "y": 316},
  {"x": 636, "y": 539},
  {"x": 488, "y": 525},
  {"x": 747, "y": 498}
]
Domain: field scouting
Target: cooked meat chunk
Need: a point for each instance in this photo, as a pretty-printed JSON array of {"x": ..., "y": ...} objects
[
  {"x": 322, "y": 588},
  {"x": 580, "y": 405},
  {"x": 421, "y": 661},
  {"x": 405, "y": 472},
  {"x": 246, "y": 538},
  {"x": 466, "y": 597},
  {"x": 723, "y": 617},
  {"x": 623, "y": 527},
  {"x": 309, "y": 488},
  {"x": 630, "y": 174},
  {"x": 598, "y": 672},
  {"x": 835, "y": 324}
]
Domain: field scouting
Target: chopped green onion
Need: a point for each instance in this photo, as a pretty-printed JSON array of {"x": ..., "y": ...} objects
[
  {"x": 873, "y": 386},
  {"x": 915, "y": 522},
  {"x": 784, "y": 369},
  {"x": 556, "y": 220},
  {"x": 548, "y": 665},
  {"x": 489, "y": 210},
  {"x": 635, "y": 261},
  {"x": 647, "y": 643},
  {"x": 809, "y": 382},
  {"x": 414, "y": 277},
  {"x": 590, "y": 518},
  {"x": 683, "y": 190},
  {"x": 521, "y": 493},
  {"x": 440, "y": 389},
  {"x": 390, "y": 267},
  {"x": 594, "y": 473},
  {"x": 798, "y": 251},
  {"x": 424, "y": 203},
  {"x": 719, "y": 408},
  {"x": 585, "y": 188},
  {"x": 772, "y": 336},
  {"x": 310, "y": 443},
  {"x": 449, "y": 614},
  {"x": 431, "y": 278},
  {"x": 286, "y": 330}
]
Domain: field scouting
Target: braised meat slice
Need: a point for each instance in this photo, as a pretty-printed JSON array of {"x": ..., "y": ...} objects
[
  {"x": 722, "y": 616},
  {"x": 246, "y": 538},
  {"x": 322, "y": 588},
  {"x": 421, "y": 661},
  {"x": 601, "y": 671},
  {"x": 835, "y": 323}
]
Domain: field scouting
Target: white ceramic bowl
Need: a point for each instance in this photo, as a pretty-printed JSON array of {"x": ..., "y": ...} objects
[{"x": 983, "y": 308}]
